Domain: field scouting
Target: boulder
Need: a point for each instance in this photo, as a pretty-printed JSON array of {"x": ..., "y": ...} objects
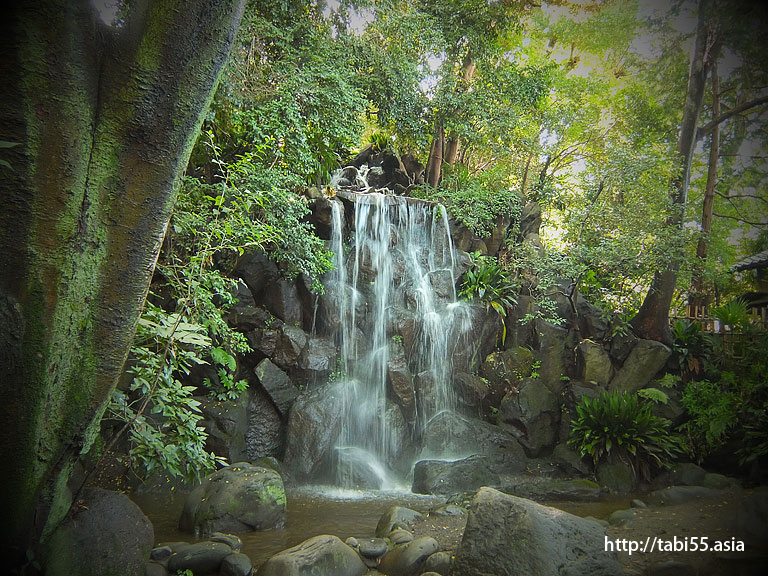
[
  {"x": 551, "y": 489},
  {"x": 453, "y": 476},
  {"x": 751, "y": 519},
  {"x": 226, "y": 423},
  {"x": 400, "y": 381},
  {"x": 236, "y": 564},
  {"x": 238, "y": 498},
  {"x": 616, "y": 476},
  {"x": 282, "y": 300},
  {"x": 472, "y": 392},
  {"x": 107, "y": 535},
  {"x": 407, "y": 559},
  {"x": 323, "y": 555},
  {"x": 530, "y": 219},
  {"x": 318, "y": 359},
  {"x": 257, "y": 271},
  {"x": 555, "y": 349},
  {"x": 438, "y": 563},
  {"x": 291, "y": 342},
  {"x": 243, "y": 314},
  {"x": 508, "y": 535},
  {"x": 201, "y": 558},
  {"x": 592, "y": 320},
  {"x": 679, "y": 494},
  {"x": 593, "y": 364},
  {"x": 569, "y": 461},
  {"x": 450, "y": 435},
  {"x": 644, "y": 361},
  {"x": 277, "y": 385},
  {"x": 264, "y": 435},
  {"x": 395, "y": 517},
  {"x": 314, "y": 424},
  {"x": 681, "y": 474},
  {"x": 531, "y": 413}
]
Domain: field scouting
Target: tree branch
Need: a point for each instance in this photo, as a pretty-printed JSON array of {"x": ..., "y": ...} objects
[
  {"x": 751, "y": 223},
  {"x": 743, "y": 107}
]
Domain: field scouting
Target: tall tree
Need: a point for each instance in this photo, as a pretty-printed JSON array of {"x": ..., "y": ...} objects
[
  {"x": 652, "y": 320},
  {"x": 105, "y": 115}
]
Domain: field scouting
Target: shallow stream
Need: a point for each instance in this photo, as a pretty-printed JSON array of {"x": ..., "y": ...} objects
[{"x": 328, "y": 510}]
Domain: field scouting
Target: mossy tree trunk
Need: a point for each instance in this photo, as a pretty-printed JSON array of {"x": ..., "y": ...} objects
[{"x": 105, "y": 117}]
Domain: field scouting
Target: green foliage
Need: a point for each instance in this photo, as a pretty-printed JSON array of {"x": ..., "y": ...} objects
[
  {"x": 487, "y": 282},
  {"x": 733, "y": 314},
  {"x": 617, "y": 425},
  {"x": 654, "y": 395},
  {"x": 165, "y": 349},
  {"x": 474, "y": 200},
  {"x": 693, "y": 346},
  {"x": 712, "y": 409}
]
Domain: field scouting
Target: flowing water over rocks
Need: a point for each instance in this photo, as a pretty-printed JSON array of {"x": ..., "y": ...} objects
[{"x": 391, "y": 307}]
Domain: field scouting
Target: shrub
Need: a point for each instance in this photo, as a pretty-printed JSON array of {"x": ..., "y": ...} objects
[
  {"x": 619, "y": 425},
  {"x": 489, "y": 283}
]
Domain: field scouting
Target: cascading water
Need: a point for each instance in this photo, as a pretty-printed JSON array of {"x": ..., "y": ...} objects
[{"x": 395, "y": 297}]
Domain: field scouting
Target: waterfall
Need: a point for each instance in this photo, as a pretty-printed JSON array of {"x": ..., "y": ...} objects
[{"x": 395, "y": 297}]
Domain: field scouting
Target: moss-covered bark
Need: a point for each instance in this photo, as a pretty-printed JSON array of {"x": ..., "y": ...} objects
[{"x": 105, "y": 117}]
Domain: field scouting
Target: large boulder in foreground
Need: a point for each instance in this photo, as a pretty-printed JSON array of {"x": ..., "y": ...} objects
[
  {"x": 323, "y": 555},
  {"x": 507, "y": 535},
  {"x": 238, "y": 498},
  {"x": 107, "y": 535}
]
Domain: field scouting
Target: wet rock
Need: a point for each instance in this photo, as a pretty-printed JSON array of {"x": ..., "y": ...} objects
[
  {"x": 394, "y": 517},
  {"x": 549, "y": 489},
  {"x": 160, "y": 553},
  {"x": 593, "y": 364},
  {"x": 257, "y": 271},
  {"x": 372, "y": 547},
  {"x": 277, "y": 385},
  {"x": 243, "y": 315},
  {"x": 450, "y": 435},
  {"x": 264, "y": 435},
  {"x": 681, "y": 474},
  {"x": 226, "y": 423},
  {"x": 448, "y": 510},
  {"x": 453, "y": 476},
  {"x": 622, "y": 517},
  {"x": 236, "y": 564},
  {"x": 200, "y": 558},
  {"x": 679, "y": 494},
  {"x": 282, "y": 300},
  {"x": 239, "y": 498},
  {"x": 290, "y": 344},
  {"x": 400, "y": 536},
  {"x": 616, "y": 476},
  {"x": 637, "y": 503},
  {"x": 321, "y": 216},
  {"x": 408, "y": 559},
  {"x": 229, "y": 539},
  {"x": 531, "y": 413},
  {"x": 108, "y": 526},
  {"x": 509, "y": 535},
  {"x": 642, "y": 364},
  {"x": 400, "y": 381},
  {"x": 318, "y": 359},
  {"x": 472, "y": 392},
  {"x": 438, "y": 563},
  {"x": 313, "y": 427},
  {"x": 323, "y": 555},
  {"x": 569, "y": 461}
]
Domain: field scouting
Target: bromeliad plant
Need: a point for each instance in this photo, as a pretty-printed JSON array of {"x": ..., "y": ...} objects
[
  {"x": 619, "y": 425},
  {"x": 489, "y": 283}
]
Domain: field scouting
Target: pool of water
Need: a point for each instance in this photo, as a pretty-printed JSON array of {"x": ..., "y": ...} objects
[{"x": 310, "y": 511}]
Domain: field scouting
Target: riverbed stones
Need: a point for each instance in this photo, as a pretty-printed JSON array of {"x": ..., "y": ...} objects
[
  {"x": 238, "y": 498},
  {"x": 408, "y": 559},
  {"x": 236, "y": 564},
  {"x": 200, "y": 557},
  {"x": 679, "y": 494},
  {"x": 509, "y": 535},
  {"x": 108, "y": 534},
  {"x": 396, "y": 516},
  {"x": 323, "y": 555}
]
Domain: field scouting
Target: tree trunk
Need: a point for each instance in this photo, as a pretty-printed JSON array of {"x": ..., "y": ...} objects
[
  {"x": 652, "y": 320},
  {"x": 452, "y": 143},
  {"x": 435, "y": 161},
  {"x": 106, "y": 117},
  {"x": 698, "y": 297}
]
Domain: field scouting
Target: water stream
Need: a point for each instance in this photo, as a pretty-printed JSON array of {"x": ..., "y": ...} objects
[{"x": 394, "y": 290}]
